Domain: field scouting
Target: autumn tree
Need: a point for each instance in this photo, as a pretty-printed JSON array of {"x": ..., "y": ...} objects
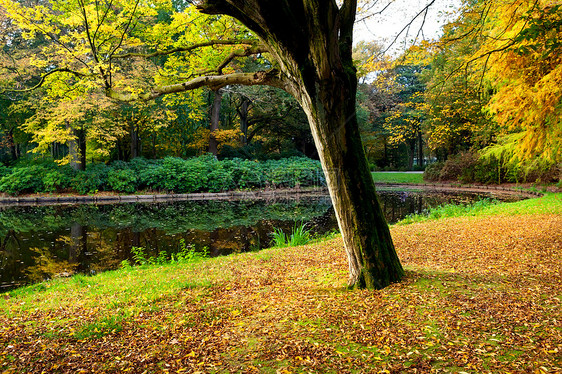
[
  {"x": 495, "y": 81},
  {"x": 404, "y": 123},
  {"x": 310, "y": 49}
]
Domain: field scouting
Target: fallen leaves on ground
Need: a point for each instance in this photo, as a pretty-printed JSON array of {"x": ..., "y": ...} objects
[{"x": 480, "y": 295}]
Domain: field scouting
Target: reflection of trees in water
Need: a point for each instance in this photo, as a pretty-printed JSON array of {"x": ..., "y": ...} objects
[{"x": 42, "y": 242}]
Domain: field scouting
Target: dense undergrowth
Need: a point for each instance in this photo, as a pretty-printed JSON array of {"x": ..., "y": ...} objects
[{"x": 171, "y": 174}]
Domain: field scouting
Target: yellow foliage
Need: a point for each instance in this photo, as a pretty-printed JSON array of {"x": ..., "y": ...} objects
[{"x": 527, "y": 75}]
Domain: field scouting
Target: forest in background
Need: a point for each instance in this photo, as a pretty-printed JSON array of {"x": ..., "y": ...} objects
[{"x": 482, "y": 104}]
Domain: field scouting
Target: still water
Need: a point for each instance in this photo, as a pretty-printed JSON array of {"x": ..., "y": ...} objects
[{"x": 38, "y": 243}]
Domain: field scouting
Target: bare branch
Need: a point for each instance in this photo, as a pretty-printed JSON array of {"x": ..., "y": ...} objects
[
  {"x": 43, "y": 78},
  {"x": 407, "y": 27}
]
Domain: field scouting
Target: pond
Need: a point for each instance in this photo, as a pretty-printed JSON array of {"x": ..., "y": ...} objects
[{"x": 39, "y": 243}]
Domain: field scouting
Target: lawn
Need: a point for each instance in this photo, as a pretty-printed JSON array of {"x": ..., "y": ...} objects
[
  {"x": 397, "y": 177},
  {"x": 482, "y": 294}
]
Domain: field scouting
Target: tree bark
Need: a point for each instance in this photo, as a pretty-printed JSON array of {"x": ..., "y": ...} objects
[
  {"x": 135, "y": 139},
  {"x": 312, "y": 42},
  {"x": 421, "y": 161},
  {"x": 215, "y": 119},
  {"x": 243, "y": 111},
  {"x": 77, "y": 149}
]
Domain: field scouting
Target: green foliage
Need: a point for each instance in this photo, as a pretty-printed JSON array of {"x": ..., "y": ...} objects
[
  {"x": 185, "y": 254},
  {"x": 469, "y": 167},
  {"x": 58, "y": 179},
  {"x": 122, "y": 180},
  {"x": 171, "y": 174},
  {"x": 433, "y": 171},
  {"x": 139, "y": 256},
  {"x": 92, "y": 180},
  {"x": 27, "y": 179},
  {"x": 300, "y": 235}
]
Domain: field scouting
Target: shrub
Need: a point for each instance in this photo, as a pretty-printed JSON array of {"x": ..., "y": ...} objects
[
  {"x": 452, "y": 169},
  {"x": 122, "y": 180},
  {"x": 433, "y": 171},
  {"x": 489, "y": 170},
  {"x": 220, "y": 179},
  {"x": 170, "y": 174},
  {"x": 4, "y": 170},
  {"x": 28, "y": 179},
  {"x": 92, "y": 180},
  {"x": 58, "y": 179},
  {"x": 248, "y": 174}
]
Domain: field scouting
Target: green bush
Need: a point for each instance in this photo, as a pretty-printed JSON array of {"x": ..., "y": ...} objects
[
  {"x": 122, "y": 180},
  {"x": 28, "y": 179},
  {"x": 248, "y": 174},
  {"x": 92, "y": 180},
  {"x": 220, "y": 179},
  {"x": 58, "y": 179},
  {"x": 170, "y": 174},
  {"x": 4, "y": 170}
]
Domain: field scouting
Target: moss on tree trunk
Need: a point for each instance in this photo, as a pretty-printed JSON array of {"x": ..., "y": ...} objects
[{"x": 311, "y": 42}]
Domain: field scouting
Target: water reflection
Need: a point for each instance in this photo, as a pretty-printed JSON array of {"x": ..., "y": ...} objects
[{"x": 38, "y": 243}]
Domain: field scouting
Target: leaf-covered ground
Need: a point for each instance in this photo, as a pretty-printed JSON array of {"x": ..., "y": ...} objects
[{"x": 481, "y": 295}]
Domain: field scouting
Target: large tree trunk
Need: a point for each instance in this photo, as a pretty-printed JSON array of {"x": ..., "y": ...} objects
[
  {"x": 373, "y": 262},
  {"x": 312, "y": 42}
]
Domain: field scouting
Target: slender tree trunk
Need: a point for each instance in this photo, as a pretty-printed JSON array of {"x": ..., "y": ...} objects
[
  {"x": 411, "y": 153},
  {"x": 243, "y": 115},
  {"x": 75, "y": 146},
  {"x": 135, "y": 141},
  {"x": 421, "y": 161},
  {"x": 81, "y": 133},
  {"x": 12, "y": 143},
  {"x": 215, "y": 118}
]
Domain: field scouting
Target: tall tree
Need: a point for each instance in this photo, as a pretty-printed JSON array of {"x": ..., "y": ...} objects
[
  {"x": 312, "y": 44},
  {"x": 310, "y": 48}
]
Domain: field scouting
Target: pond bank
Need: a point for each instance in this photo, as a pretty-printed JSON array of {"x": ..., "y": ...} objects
[{"x": 272, "y": 194}]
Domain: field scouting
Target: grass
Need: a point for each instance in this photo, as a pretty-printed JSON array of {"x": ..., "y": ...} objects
[
  {"x": 300, "y": 235},
  {"x": 550, "y": 203},
  {"x": 398, "y": 177},
  {"x": 482, "y": 294}
]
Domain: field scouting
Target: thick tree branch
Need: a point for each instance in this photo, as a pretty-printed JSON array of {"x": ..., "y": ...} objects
[{"x": 269, "y": 78}]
